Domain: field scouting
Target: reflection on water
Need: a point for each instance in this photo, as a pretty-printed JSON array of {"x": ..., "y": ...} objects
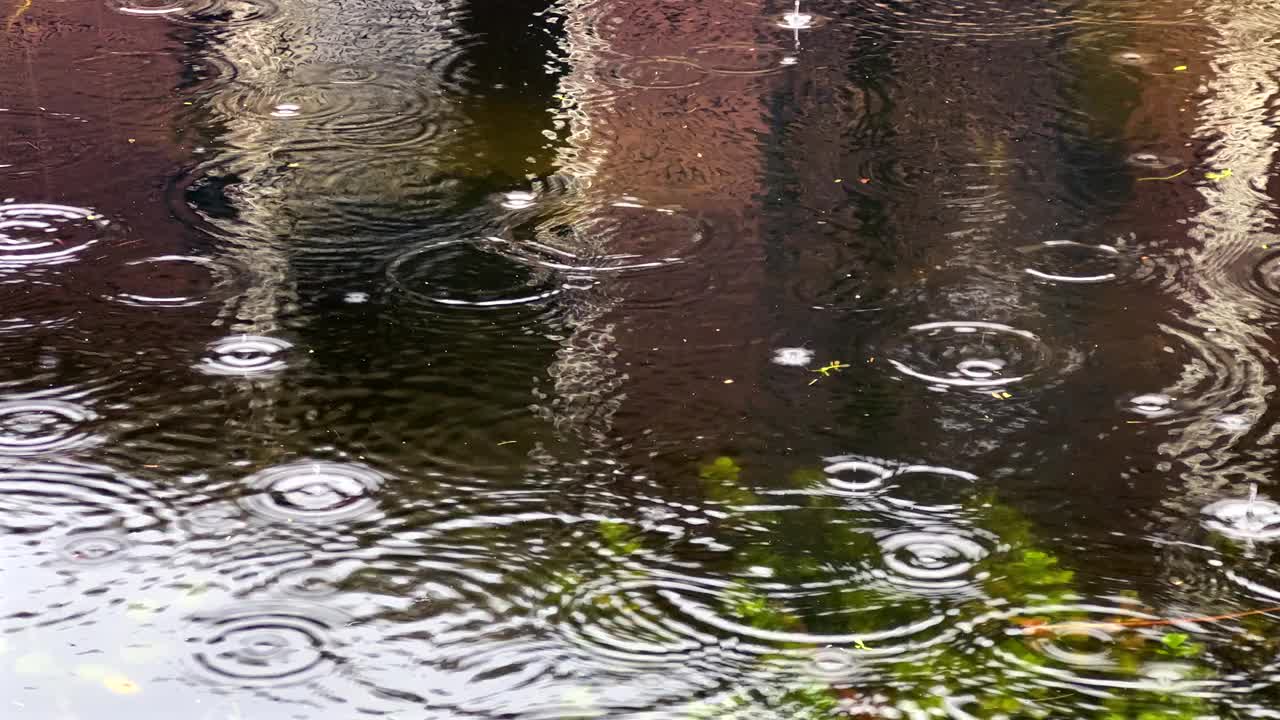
[{"x": 609, "y": 358}]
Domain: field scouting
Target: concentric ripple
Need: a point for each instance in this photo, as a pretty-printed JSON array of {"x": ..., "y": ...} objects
[
  {"x": 933, "y": 560},
  {"x": 30, "y": 427},
  {"x": 969, "y": 354},
  {"x": 245, "y": 355},
  {"x": 655, "y": 73},
  {"x": 45, "y": 234},
  {"x": 213, "y": 13},
  {"x": 1065, "y": 261},
  {"x": 186, "y": 281},
  {"x": 967, "y": 18},
  {"x": 321, "y": 492},
  {"x": 1090, "y": 646},
  {"x": 264, "y": 645},
  {"x": 624, "y": 236},
  {"x": 349, "y": 105},
  {"x": 487, "y": 274},
  {"x": 93, "y": 548},
  {"x": 739, "y": 58},
  {"x": 39, "y": 496}
]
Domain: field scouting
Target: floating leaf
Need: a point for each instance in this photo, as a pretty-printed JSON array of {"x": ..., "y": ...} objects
[
  {"x": 1220, "y": 175},
  {"x": 1174, "y": 640}
]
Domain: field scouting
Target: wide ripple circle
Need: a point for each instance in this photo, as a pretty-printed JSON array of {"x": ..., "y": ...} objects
[
  {"x": 41, "y": 426},
  {"x": 44, "y": 234},
  {"x": 969, "y": 354},
  {"x": 314, "y": 491},
  {"x": 483, "y": 275},
  {"x": 187, "y": 280},
  {"x": 264, "y": 645}
]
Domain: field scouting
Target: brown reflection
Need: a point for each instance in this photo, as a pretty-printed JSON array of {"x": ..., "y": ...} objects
[{"x": 667, "y": 105}]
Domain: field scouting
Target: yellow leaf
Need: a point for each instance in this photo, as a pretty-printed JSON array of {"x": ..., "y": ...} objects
[
  {"x": 120, "y": 685},
  {"x": 1179, "y": 68}
]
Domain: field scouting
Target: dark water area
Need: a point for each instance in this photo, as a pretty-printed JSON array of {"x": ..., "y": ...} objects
[{"x": 639, "y": 359}]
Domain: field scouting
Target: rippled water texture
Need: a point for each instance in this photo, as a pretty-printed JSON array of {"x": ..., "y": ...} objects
[{"x": 688, "y": 359}]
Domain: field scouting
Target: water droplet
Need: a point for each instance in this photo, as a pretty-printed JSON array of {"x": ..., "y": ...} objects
[
  {"x": 245, "y": 355},
  {"x": 792, "y": 356},
  {"x": 1131, "y": 58},
  {"x": 1151, "y": 405},
  {"x": 322, "y": 492},
  {"x": 1250, "y": 519},
  {"x": 856, "y": 476},
  {"x": 1151, "y": 161}
]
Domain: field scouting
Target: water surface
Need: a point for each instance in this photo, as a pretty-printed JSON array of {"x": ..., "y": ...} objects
[{"x": 638, "y": 359}]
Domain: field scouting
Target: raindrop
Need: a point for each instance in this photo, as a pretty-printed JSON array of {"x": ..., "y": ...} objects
[
  {"x": 244, "y": 355},
  {"x": 1131, "y": 58},
  {"x": 1151, "y": 405},
  {"x": 321, "y": 492},
  {"x": 1250, "y": 519},
  {"x": 792, "y": 356},
  {"x": 856, "y": 476},
  {"x": 1151, "y": 161}
]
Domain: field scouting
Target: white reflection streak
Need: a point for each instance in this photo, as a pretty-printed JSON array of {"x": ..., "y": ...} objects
[{"x": 1242, "y": 83}]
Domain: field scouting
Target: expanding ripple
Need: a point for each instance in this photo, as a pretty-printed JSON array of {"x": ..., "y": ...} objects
[
  {"x": 188, "y": 280},
  {"x": 31, "y": 427},
  {"x": 321, "y": 492},
  {"x": 244, "y": 356},
  {"x": 37, "y": 496},
  {"x": 264, "y": 645},
  {"x": 626, "y": 235},
  {"x": 1066, "y": 261},
  {"x": 45, "y": 234},
  {"x": 93, "y": 548},
  {"x": 214, "y": 13},
  {"x": 486, "y": 274},
  {"x": 977, "y": 355},
  {"x": 935, "y": 560},
  {"x": 739, "y": 58},
  {"x": 351, "y": 105},
  {"x": 653, "y": 73}
]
